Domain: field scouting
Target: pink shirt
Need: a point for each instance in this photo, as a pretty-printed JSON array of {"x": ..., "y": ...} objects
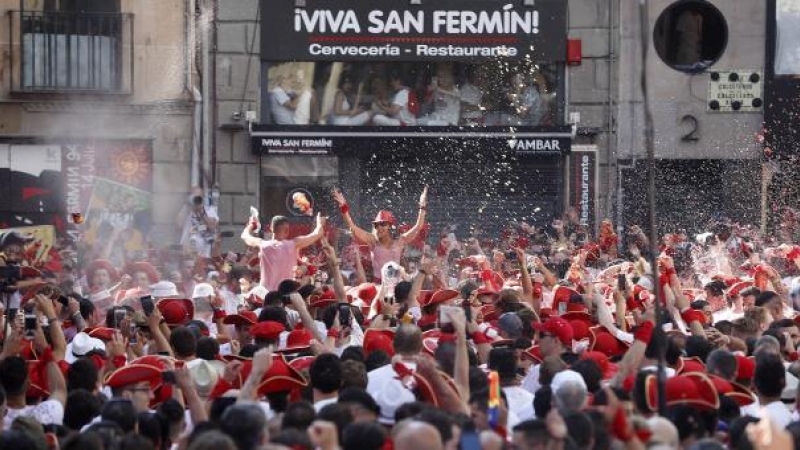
[
  {"x": 277, "y": 260},
  {"x": 382, "y": 255}
]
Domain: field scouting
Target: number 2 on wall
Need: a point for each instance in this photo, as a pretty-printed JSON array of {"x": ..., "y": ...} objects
[{"x": 694, "y": 134}]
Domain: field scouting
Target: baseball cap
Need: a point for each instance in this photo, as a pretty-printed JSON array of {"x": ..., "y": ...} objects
[
  {"x": 558, "y": 327},
  {"x": 510, "y": 324}
]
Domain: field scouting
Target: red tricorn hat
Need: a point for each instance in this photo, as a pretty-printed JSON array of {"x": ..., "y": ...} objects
[
  {"x": 323, "y": 299},
  {"x": 268, "y": 330},
  {"x": 302, "y": 363},
  {"x": 577, "y": 311},
  {"x": 689, "y": 364},
  {"x": 440, "y": 296},
  {"x": 103, "y": 264},
  {"x": 385, "y": 216},
  {"x": 176, "y": 311},
  {"x": 280, "y": 377},
  {"x": 490, "y": 313},
  {"x": 601, "y": 340},
  {"x": 243, "y": 318},
  {"x": 424, "y": 297},
  {"x": 608, "y": 368},
  {"x": 367, "y": 292},
  {"x": 149, "y": 269},
  {"x": 692, "y": 389},
  {"x": 298, "y": 340},
  {"x": 737, "y": 288},
  {"x": 563, "y": 294},
  {"x": 534, "y": 353},
  {"x": 735, "y": 391},
  {"x": 103, "y": 333},
  {"x": 580, "y": 329},
  {"x": 745, "y": 368},
  {"x": 375, "y": 339},
  {"x": 132, "y": 374}
]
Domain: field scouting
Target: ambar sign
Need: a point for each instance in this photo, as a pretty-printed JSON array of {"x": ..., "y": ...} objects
[{"x": 464, "y": 30}]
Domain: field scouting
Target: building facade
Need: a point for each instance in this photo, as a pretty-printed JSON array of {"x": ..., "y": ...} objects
[{"x": 97, "y": 117}]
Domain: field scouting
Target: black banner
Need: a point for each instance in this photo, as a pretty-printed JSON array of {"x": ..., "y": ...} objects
[
  {"x": 277, "y": 140},
  {"x": 395, "y": 30},
  {"x": 583, "y": 183}
]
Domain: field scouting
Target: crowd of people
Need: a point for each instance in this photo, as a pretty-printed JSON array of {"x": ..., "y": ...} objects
[
  {"x": 444, "y": 95},
  {"x": 542, "y": 337}
]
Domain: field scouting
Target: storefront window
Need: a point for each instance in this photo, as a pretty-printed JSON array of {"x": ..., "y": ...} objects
[
  {"x": 419, "y": 93},
  {"x": 787, "y": 53}
]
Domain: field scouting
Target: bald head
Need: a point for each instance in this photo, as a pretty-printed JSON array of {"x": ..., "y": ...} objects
[{"x": 415, "y": 435}]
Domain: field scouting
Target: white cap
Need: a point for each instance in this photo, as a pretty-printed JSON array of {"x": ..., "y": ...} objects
[
  {"x": 203, "y": 374},
  {"x": 164, "y": 289},
  {"x": 80, "y": 345},
  {"x": 202, "y": 290},
  {"x": 565, "y": 376},
  {"x": 259, "y": 291}
]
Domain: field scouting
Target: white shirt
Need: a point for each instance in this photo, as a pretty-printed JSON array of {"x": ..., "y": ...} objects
[
  {"x": 280, "y": 113},
  {"x": 401, "y": 99},
  {"x": 778, "y": 413},
  {"x": 447, "y": 105},
  {"x": 323, "y": 403},
  {"x": 49, "y": 412},
  {"x": 520, "y": 402}
]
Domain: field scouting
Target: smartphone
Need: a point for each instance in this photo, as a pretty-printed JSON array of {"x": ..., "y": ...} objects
[
  {"x": 467, "y": 310},
  {"x": 344, "y": 315},
  {"x": 621, "y": 282},
  {"x": 133, "y": 330},
  {"x": 147, "y": 304},
  {"x": 445, "y": 324},
  {"x": 168, "y": 377},
  {"x": 119, "y": 316},
  {"x": 470, "y": 439},
  {"x": 30, "y": 326}
]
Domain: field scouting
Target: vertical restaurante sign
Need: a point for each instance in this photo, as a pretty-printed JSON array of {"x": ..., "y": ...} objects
[{"x": 452, "y": 30}]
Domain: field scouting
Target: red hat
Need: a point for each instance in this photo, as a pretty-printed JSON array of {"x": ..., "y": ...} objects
[
  {"x": 385, "y": 216},
  {"x": 103, "y": 333},
  {"x": 32, "y": 291},
  {"x": 176, "y": 311},
  {"x": 563, "y": 294},
  {"x": 601, "y": 340},
  {"x": 490, "y": 313},
  {"x": 737, "y": 288},
  {"x": 637, "y": 298},
  {"x": 608, "y": 368},
  {"x": 577, "y": 312},
  {"x": 375, "y": 339},
  {"x": 735, "y": 391},
  {"x": 280, "y": 377},
  {"x": 269, "y": 330},
  {"x": 440, "y": 296},
  {"x": 558, "y": 327},
  {"x": 323, "y": 299},
  {"x": 745, "y": 367},
  {"x": 243, "y": 318},
  {"x": 132, "y": 374},
  {"x": 302, "y": 363},
  {"x": 103, "y": 264},
  {"x": 424, "y": 296},
  {"x": 427, "y": 321},
  {"x": 692, "y": 389},
  {"x": 162, "y": 392},
  {"x": 534, "y": 353},
  {"x": 298, "y": 340},
  {"x": 689, "y": 364},
  {"x": 141, "y": 266},
  {"x": 580, "y": 329}
]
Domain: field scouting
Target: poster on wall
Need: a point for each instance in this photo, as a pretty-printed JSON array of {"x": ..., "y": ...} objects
[
  {"x": 583, "y": 184},
  {"x": 107, "y": 182}
]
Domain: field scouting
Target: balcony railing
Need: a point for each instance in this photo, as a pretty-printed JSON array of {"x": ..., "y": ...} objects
[{"x": 67, "y": 52}]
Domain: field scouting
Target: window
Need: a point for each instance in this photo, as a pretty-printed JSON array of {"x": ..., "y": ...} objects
[
  {"x": 787, "y": 53},
  {"x": 690, "y": 35},
  {"x": 421, "y": 94},
  {"x": 71, "y": 45}
]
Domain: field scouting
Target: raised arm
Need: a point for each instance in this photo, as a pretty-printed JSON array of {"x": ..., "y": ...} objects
[
  {"x": 423, "y": 207},
  {"x": 333, "y": 270},
  {"x": 360, "y": 234},
  {"x": 302, "y": 242},
  {"x": 248, "y": 238}
]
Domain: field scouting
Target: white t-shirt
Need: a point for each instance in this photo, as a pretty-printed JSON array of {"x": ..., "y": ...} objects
[
  {"x": 280, "y": 113},
  {"x": 49, "y": 412},
  {"x": 447, "y": 105},
  {"x": 401, "y": 99},
  {"x": 520, "y": 402},
  {"x": 196, "y": 233}
]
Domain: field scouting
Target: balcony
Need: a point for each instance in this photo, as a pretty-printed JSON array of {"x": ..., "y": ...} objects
[{"x": 71, "y": 53}]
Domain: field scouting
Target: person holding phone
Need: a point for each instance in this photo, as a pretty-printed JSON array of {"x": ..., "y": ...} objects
[{"x": 384, "y": 245}]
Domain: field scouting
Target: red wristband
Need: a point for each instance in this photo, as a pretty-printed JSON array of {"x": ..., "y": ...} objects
[
  {"x": 794, "y": 253},
  {"x": 345, "y": 208},
  {"x": 693, "y": 315},
  {"x": 219, "y": 314},
  {"x": 119, "y": 361},
  {"x": 334, "y": 333}
]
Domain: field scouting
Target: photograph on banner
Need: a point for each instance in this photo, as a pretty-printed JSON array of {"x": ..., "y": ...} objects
[
  {"x": 119, "y": 217},
  {"x": 37, "y": 252}
]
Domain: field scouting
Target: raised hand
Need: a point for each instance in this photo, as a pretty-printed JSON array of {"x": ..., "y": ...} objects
[
  {"x": 423, "y": 198},
  {"x": 339, "y": 197}
]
